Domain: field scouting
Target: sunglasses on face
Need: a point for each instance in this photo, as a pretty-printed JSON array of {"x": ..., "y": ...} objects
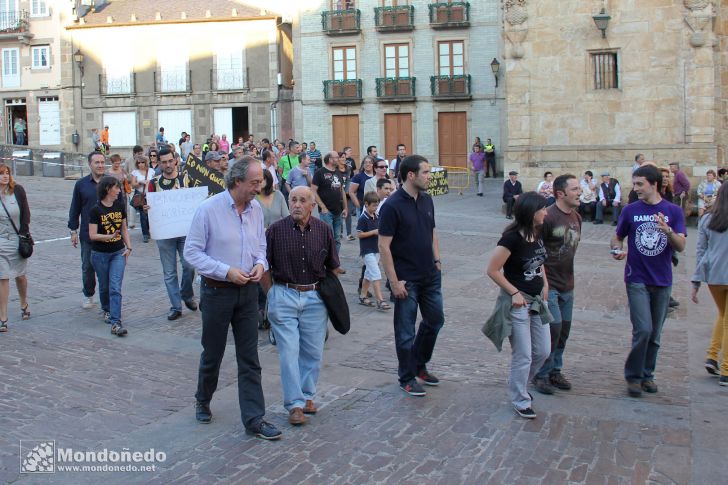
[{"x": 381, "y": 166}]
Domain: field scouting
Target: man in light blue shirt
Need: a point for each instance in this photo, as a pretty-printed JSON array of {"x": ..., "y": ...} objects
[{"x": 226, "y": 244}]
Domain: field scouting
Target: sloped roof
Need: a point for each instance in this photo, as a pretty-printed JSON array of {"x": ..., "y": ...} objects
[{"x": 171, "y": 10}]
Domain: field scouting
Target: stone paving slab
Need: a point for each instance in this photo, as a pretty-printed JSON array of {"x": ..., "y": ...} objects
[{"x": 66, "y": 378}]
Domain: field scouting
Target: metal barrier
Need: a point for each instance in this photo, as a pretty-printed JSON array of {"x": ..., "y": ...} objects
[{"x": 458, "y": 178}]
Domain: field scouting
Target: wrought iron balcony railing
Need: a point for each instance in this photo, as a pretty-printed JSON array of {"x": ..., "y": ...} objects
[
  {"x": 13, "y": 21},
  {"x": 396, "y": 88},
  {"x": 394, "y": 19},
  {"x": 341, "y": 22},
  {"x": 449, "y": 15},
  {"x": 229, "y": 79},
  {"x": 343, "y": 92},
  {"x": 172, "y": 81},
  {"x": 117, "y": 85},
  {"x": 450, "y": 87}
]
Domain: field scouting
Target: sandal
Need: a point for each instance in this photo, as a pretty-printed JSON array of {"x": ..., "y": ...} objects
[
  {"x": 3, "y": 325},
  {"x": 383, "y": 306},
  {"x": 363, "y": 300},
  {"x": 25, "y": 313}
]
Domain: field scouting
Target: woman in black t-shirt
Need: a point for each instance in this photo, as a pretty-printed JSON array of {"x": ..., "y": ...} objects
[
  {"x": 110, "y": 247},
  {"x": 516, "y": 265}
]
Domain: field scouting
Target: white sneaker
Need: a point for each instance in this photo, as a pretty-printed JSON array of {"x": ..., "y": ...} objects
[{"x": 88, "y": 303}]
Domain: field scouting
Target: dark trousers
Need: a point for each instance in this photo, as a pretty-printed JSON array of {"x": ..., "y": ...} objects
[
  {"x": 510, "y": 202},
  {"x": 88, "y": 275},
  {"x": 415, "y": 351},
  {"x": 588, "y": 210},
  {"x": 647, "y": 311},
  {"x": 489, "y": 166},
  {"x": 144, "y": 221},
  {"x": 222, "y": 307}
]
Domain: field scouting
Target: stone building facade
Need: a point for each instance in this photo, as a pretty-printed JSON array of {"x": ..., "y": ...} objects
[
  {"x": 418, "y": 72},
  {"x": 654, "y": 83},
  {"x": 30, "y": 71},
  {"x": 220, "y": 67}
]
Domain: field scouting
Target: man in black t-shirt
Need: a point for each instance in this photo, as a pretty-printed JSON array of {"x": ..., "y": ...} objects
[
  {"x": 170, "y": 179},
  {"x": 328, "y": 188}
]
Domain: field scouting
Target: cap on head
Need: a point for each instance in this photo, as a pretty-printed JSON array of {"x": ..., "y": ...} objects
[
  {"x": 605, "y": 174},
  {"x": 512, "y": 172},
  {"x": 212, "y": 155}
]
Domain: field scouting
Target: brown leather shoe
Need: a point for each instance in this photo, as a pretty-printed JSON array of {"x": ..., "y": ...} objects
[
  {"x": 295, "y": 416},
  {"x": 310, "y": 407}
]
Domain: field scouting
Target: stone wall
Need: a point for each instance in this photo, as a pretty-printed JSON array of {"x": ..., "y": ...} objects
[{"x": 664, "y": 105}]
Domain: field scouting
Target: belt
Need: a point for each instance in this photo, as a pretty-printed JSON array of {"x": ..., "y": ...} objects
[
  {"x": 311, "y": 287},
  {"x": 210, "y": 283}
]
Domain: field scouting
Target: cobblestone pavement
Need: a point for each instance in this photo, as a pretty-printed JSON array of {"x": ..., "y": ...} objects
[{"x": 65, "y": 378}]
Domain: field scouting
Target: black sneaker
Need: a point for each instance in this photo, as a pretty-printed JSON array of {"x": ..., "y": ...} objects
[
  {"x": 543, "y": 386},
  {"x": 203, "y": 413},
  {"x": 634, "y": 389},
  {"x": 560, "y": 382},
  {"x": 673, "y": 303},
  {"x": 598, "y": 222},
  {"x": 191, "y": 304},
  {"x": 712, "y": 367},
  {"x": 527, "y": 413},
  {"x": 649, "y": 386},
  {"x": 413, "y": 388},
  {"x": 723, "y": 381},
  {"x": 428, "y": 379},
  {"x": 264, "y": 430},
  {"x": 118, "y": 330},
  {"x": 107, "y": 318}
]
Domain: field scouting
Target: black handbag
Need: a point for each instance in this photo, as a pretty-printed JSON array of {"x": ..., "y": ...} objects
[{"x": 25, "y": 245}]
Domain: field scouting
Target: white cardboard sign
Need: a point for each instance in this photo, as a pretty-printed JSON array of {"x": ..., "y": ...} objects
[{"x": 171, "y": 211}]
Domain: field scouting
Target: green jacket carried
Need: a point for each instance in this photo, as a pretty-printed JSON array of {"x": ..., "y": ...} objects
[{"x": 498, "y": 327}]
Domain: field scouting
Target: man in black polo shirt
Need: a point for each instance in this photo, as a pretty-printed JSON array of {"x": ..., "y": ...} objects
[{"x": 410, "y": 254}]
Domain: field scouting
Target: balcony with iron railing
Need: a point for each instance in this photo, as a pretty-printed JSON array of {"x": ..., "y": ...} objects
[
  {"x": 396, "y": 89},
  {"x": 453, "y": 15},
  {"x": 14, "y": 25},
  {"x": 347, "y": 91},
  {"x": 173, "y": 81},
  {"x": 341, "y": 22},
  {"x": 234, "y": 79},
  {"x": 394, "y": 19},
  {"x": 450, "y": 87},
  {"x": 124, "y": 85}
]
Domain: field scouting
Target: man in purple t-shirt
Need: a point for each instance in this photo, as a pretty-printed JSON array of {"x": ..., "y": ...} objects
[
  {"x": 654, "y": 229},
  {"x": 477, "y": 160},
  {"x": 680, "y": 185}
]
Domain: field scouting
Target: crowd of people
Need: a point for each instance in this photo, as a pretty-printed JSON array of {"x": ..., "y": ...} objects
[{"x": 264, "y": 244}]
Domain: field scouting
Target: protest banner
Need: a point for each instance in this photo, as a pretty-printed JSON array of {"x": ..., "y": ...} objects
[
  {"x": 170, "y": 211},
  {"x": 200, "y": 175},
  {"x": 438, "y": 182}
]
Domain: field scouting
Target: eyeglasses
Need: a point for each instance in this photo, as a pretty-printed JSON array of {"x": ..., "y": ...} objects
[
  {"x": 152, "y": 155},
  {"x": 381, "y": 166}
]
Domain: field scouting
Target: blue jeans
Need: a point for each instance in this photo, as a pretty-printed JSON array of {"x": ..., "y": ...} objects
[
  {"x": 615, "y": 211},
  {"x": 88, "y": 277},
  {"x": 647, "y": 311},
  {"x": 334, "y": 221},
  {"x": 110, "y": 271},
  {"x": 298, "y": 320},
  {"x": 176, "y": 290},
  {"x": 529, "y": 349},
  {"x": 561, "y": 305},
  {"x": 20, "y": 138},
  {"x": 415, "y": 351},
  {"x": 221, "y": 309},
  {"x": 351, "y": 209}
]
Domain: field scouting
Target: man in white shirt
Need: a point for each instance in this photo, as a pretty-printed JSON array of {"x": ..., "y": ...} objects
[{"x": 610, "y": 195}]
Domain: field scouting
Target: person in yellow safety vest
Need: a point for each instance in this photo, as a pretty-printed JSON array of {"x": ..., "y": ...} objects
[{"x": 489, "y": 158}]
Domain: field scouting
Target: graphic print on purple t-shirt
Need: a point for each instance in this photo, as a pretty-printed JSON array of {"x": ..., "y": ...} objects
[{"x": 649, "y": 254}]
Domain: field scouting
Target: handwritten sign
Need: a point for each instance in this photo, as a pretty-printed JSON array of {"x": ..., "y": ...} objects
[
  {"x": 170, "y": 211},
  {"x": 438, "y": 182},
  {"x": 200, "y": 175}
]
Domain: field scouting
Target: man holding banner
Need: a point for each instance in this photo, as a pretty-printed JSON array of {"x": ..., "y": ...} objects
[
  {"x": 170, "y": 179},
  {"x": 227, "y": 245}
]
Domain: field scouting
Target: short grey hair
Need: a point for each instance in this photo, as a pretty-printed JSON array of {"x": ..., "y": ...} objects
[{"x": 239, "y": 171}]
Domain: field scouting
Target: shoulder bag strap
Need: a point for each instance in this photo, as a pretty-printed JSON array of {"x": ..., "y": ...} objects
[{"x": 11, "y": 219}]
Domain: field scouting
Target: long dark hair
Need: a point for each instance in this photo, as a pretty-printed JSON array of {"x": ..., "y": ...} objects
[
  {"x": 524, "y": 210},
  {"x": 719, "y": 212},
  {"x": 268, "y": 188}
]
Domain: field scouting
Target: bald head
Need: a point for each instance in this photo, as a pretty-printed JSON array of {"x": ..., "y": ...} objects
[
  {"x": 331, "y": 159},
  {"x": 301, "y": 202}
]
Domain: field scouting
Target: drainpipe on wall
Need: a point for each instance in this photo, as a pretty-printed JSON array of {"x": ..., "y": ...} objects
[{"x": 274, "y": 109}]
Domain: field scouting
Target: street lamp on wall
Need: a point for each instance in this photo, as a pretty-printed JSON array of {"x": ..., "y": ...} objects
[
  {"x": 495, "y": 67},
  {"x": 78, "y": 59},
  {"x": 602, "y": 21}
]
